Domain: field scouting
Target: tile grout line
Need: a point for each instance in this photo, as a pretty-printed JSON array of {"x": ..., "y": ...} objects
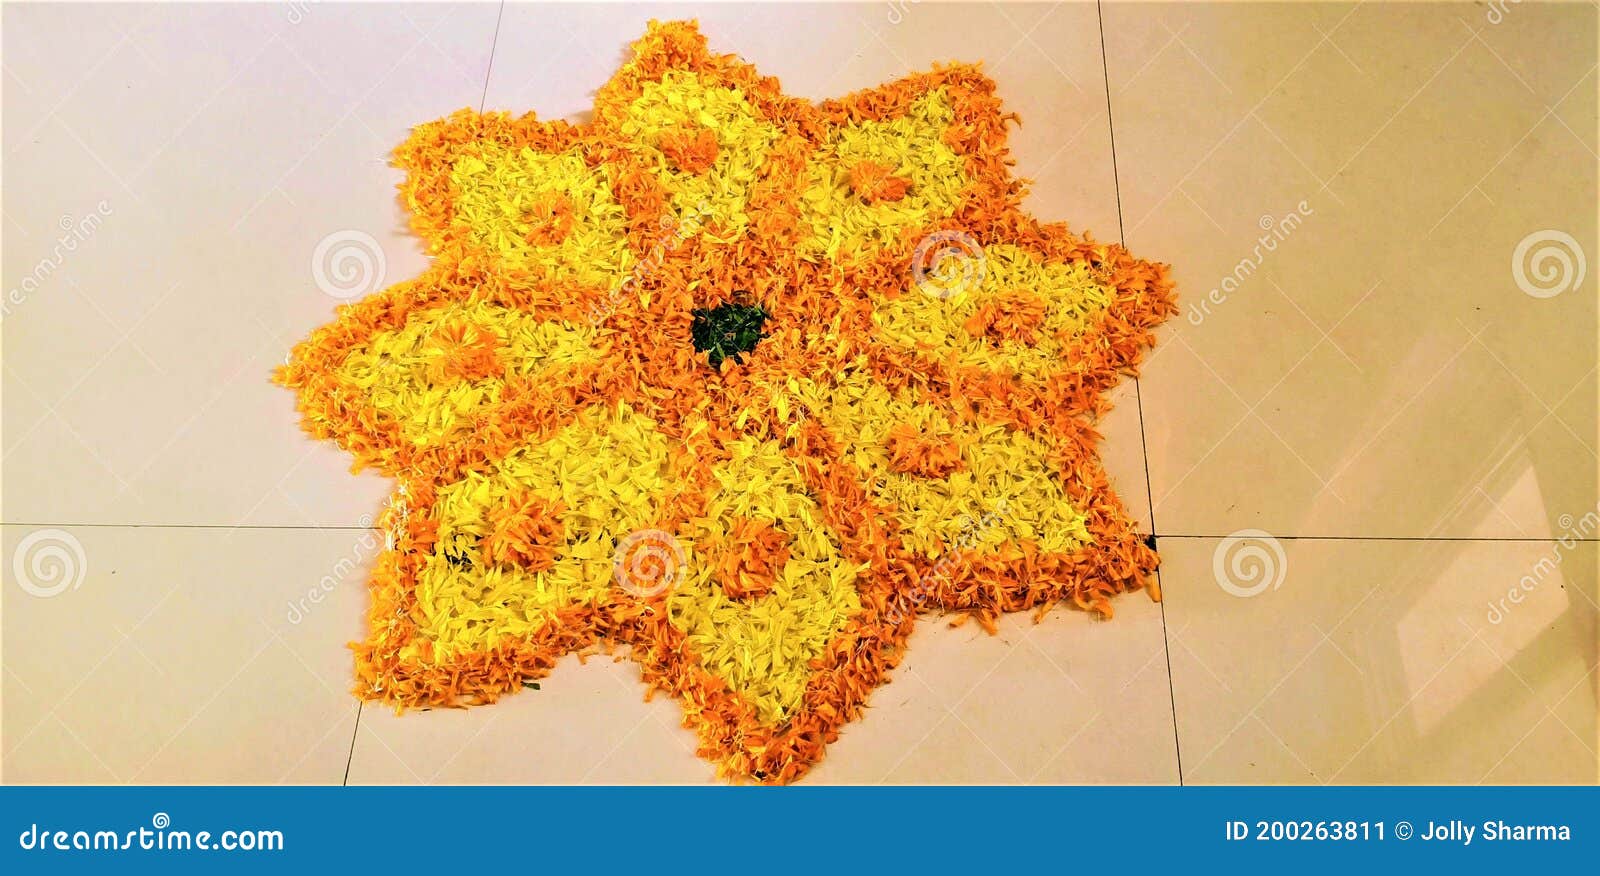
[
  {"x": 1138, "y": 396},
  {"x": 494, "y": 44},
  {"x": 1105, "y": 76},
  {"x": 355, "y": 734}
]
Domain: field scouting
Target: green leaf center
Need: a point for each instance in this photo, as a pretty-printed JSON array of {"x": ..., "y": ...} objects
[{"x": 727, "y": 330}]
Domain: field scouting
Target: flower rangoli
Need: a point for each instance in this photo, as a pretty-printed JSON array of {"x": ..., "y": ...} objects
[{"x": 741, "y": 382}]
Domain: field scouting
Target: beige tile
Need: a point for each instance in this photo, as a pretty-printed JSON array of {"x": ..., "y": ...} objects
[
  {"x": 1372, "y": 366},
  {"x": 1253, "y": 755},
  {"x": 197, "y": 655},
  {"x": 1535, "y": 45},
  {"x": 1577, "y": 111},
  {"x": 900, "y": 716},
  {"x": 952, "y": 755},
  {"x": 586, "y": 724},
  {"x": 1540, "y": 758},
  {"x": 1039, "y": 710},
  {"x": 52, "y": 755},
  {"x": 1068, "y": 700},
  {"x": 1116, "y": 749},
  {"x": 1122, "y": 452},
  {"x": 1054, "y": 80},
  {"x": 1359, "y": 661},
  {"x": 1577, "y": 413},
  {"x": 566, "y": 51},
  {"x": 655, "y": 752},
  {"x": 209, "y": 149}
]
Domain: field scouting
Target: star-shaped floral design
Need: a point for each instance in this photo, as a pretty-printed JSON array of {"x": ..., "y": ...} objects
[{"x": 742, "y": 382}]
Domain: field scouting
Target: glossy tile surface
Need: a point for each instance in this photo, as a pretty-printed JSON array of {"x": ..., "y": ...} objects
[
  {"x": 180, "y": 656},
  {"x": 1342, "y": 191},
  {"x": 1383, "y": 662},
  {"x": 193, "y": 156},
  {"x": 1393, "y": 386}
]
